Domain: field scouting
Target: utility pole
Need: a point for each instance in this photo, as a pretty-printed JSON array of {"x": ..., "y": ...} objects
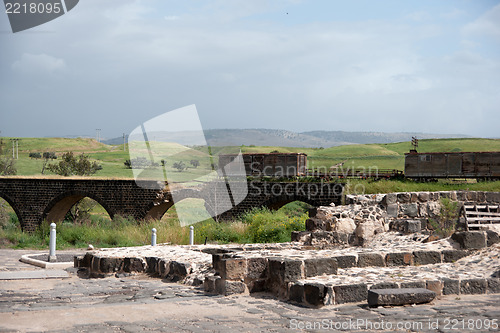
[{"x": 98, "y": 134}]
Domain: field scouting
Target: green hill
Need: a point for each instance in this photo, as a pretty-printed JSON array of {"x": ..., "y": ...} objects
[{"x": 111, "y": 157}]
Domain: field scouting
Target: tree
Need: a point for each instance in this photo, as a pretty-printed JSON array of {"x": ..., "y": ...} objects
[
  {"x": 7, "y": 166},
  {"x": 35, "y": 155},
  {"x": 195, "y": 163},
  {"x": 81, "y": 211},
  {"x": 70, "y": 165},
  {"x": 180, "y": 166}
]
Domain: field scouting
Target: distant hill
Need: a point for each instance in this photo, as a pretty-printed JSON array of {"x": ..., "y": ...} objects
[{"x": 283, "y": 138}]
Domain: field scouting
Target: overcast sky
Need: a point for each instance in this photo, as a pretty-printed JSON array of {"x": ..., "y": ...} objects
[{"x": 425, "y": 66}]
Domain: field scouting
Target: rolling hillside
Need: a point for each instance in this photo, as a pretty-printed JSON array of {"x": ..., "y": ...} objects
[{"x": 383, "y": 156}]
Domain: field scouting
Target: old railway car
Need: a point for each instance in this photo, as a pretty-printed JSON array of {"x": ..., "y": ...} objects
[
  {"x": 269, "y": 165},
  {"x": 482, "y": 165}
]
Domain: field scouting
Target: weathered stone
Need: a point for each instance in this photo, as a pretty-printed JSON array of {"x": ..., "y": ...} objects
[
  {"x": 400, "y": 296},
  {"x": 451, "y": 286},
  {"x": 284, "y": 270},
  {"x": 426, "y": 257},
  {"x": 350, "y": 293},
  {"x": 256, "y": 268},
  {"x": 320, "y": 266},
  {"x": 133, "y": 265},
  {"x": 301, "y": 236},
  {"x": 423, "y": 196},
  {"x": 433, "y": 209},
  {"x": 209, "y": 283},
  {"x": 412, "y": 226},
  {"x": 178, "y": 270},
  {"x": 152, "y": 265},
  {"x": 404, "y": 197},
  {"x": 314, "y": 293},
  {"x": 453, "y": 255},
  {"x": 296, "y": 292},
  {"x": 389, "y": 199},
  {"x": 346, "y": 261},
  {"x": 315, "y": 224},
  {"x": 385, "y": 285},
  {"x": 399, "y": 259},
  {"x": 435, "y": 285},
  {"x": 413, "y": 284},
  {"x": 226, "y": 288},
  {"x": 493, "y": 285},
  {"x": 233, "y": 269},
  {"x": 345, "y": 225},
  {"x": 329, "y": 238},
  {"x": 370, "y": 259},
  {"x": 470, "y": 239},
  {"x": 392, "y": 210},
  {"x": 492, "y": 237},
  {"x": 410, "y": 209},
  {"x": 473, "y": 286},
  {"x": 493, "y": 197}
]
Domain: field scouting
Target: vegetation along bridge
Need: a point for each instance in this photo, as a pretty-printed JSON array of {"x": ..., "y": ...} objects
[{"x": 38, "y": 199}]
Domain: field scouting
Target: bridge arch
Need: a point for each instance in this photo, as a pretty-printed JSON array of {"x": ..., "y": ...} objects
[
  {"x": 156, "y": 211},
  {"x": 58, "y": 207},
  {"x": 12, "y": 204}
]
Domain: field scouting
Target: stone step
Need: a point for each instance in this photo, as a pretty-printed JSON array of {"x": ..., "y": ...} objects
[{"x": 399, "y": 296}]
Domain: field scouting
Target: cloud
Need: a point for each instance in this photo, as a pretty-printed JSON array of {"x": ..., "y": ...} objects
[
  {"x": 38, "y": 63},
  {"x": 487, "y": 25}
]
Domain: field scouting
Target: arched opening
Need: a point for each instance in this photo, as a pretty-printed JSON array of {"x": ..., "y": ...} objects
[
  {"x": 187, "y": 211},
  {"x": 288, "y": 204},
  {"x": 8, "y": 217},
  {"x": 75, "y": 207},
  {"x": 295, "y": 208}
]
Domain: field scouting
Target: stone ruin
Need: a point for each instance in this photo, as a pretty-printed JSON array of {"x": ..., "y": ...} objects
[{"x": 364, "y": 216}]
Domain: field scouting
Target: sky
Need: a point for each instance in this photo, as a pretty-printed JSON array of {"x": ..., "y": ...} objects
[{"x": 301, "y": 65}]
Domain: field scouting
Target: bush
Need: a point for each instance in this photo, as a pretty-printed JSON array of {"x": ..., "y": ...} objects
[{"x": 446, "y": 222}]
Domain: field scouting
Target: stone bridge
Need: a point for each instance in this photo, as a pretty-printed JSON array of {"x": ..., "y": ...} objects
[{"x": 38, "y": 199}]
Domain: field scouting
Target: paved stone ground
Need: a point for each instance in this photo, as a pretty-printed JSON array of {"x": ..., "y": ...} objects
[{"x": 139, "y": 303}]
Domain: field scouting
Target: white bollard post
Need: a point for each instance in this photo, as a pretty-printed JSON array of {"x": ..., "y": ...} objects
[
  {"x": 153, "y": 237},
  {"x": 52, "y": 243},
  {"x": 191, "y": 235}
]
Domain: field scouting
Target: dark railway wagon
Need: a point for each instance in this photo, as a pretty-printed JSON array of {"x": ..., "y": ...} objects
[
  {"x": 452, "y": 165},
  {"x": 273, "y": 164}
]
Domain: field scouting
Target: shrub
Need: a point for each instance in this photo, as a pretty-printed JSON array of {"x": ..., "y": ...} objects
[{"x": 446, "y": 222}]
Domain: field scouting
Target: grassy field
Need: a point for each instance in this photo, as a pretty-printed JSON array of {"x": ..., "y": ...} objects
[{"x": 382, "y": 156}]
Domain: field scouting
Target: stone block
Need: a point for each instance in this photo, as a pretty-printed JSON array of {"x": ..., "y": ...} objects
[
  {"x": 314, "y": 224},
  {"x": 226, "y": 288},
  {"x": 426, "y": 257},
  {"x": 256, "y": 268},
  {"x": 133, "y": 265},
  {"x": 492, "y": 237},
  {"x": 178, "y": 270},
  {"x": 314, "y": 293},
  {"x": 409, "y": 209},
  {"x": 392, "y": 210},
  {"x": 233, "y": 269},
  {"x": 400, "y": 296},
  {"x": 385, "y": 285},
  {"x": 389, "y": 199},
  {"x": 209, "y": 283},
  {"x": 413, "y": 284},
  {"x": 296, "y": 293},
  {"x": 320, "y": 266},
  {"x": 282, "y": 270},
  {"x": 399, "y": 259},
  {"x": 435, "y": 285},
  {"x": 423, "y": 196},
  {"x": 329, "y": 237},
  {"x": 473, "y": 286},
  {"x": 493, "y": 197},
  {"x": 472, "y": 240},
  {"x": 453, "y": 255},
  {"x": 370, "y": 259},
  {"x": 163, "y": 267},
  {"x": 451, "y": 286},
  {"x": 493, "y": 285},
  {"x": 350, "y": 293},
  {"x": 461, "y": 196},
  {"x": 404, "y": 197},
  {"x": 346, "y": 261},
  {"x": 412, "y": 226}
]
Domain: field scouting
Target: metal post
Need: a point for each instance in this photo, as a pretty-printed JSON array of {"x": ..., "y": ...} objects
[
  {"x": 191, "y": 235},
  {"x": 52, "y": 243},
  {"x": 153, "y": 237},
  {"x": 17, "y": 149}
]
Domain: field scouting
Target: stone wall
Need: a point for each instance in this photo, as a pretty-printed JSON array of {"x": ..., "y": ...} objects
[{"x": 364, "y": 216}]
